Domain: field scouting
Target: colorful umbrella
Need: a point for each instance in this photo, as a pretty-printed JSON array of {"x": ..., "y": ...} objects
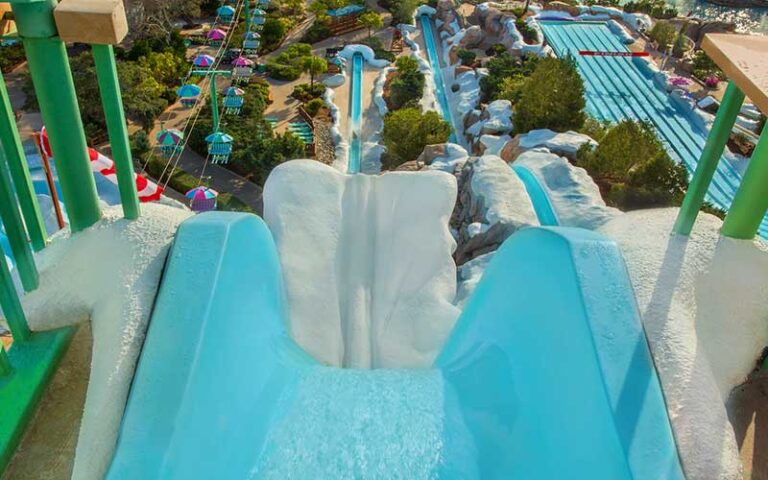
[
  {"x": 233, "y": 92},
  {"x": 203, "y": 61},
  {"x": 170, "y": 137},
  {"x": 252, "y": 35},
  {"x": 259, "y": 20},
  {"x": 201, "y": 193},
  {"x": 218, "y": 137},
  {"x": 258, "y": 11},
  {"x": 242, "y": 62},
  {"x": 189, "y": 90},
  {"x": 217, "y": 34}
]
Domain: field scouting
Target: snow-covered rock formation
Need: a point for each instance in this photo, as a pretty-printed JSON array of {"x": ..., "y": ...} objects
[{"x": 366, "y": 261}]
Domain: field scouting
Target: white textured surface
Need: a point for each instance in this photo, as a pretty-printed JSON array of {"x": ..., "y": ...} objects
[
  {"x": 504, "y": 195},
  {"x": 567, "y": 143},
  {"x": 704, "y": 302},
  {"x": 109, "y": 275},
  {"x": 455, "y": 155},
  {"x": 572, "y": 192},
  {"x": 367, "y": 262}
]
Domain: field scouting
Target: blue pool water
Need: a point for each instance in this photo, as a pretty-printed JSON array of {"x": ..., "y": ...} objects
[
  {"x": 355, "y": 114},
  {"x": 434, "y": 61},
  {"x": 619, "y": 88}
]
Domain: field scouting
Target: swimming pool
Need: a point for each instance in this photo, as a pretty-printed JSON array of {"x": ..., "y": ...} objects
[{"x": 619, "y": 88}]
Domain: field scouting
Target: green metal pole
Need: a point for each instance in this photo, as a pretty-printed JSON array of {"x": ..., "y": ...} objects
[
  {"x": 751, "y": 201},
  {"x": 17, "y": 163},
  {"x": 109, "y": 86},
  {"x": 5, "y": 364},
  {"x": 52, "y": 78},
  {"x": 713, "y": 150},
  {"x": 14, "y": 229},
  {"x": 9, "y": 301},
  {"x": 214, "y": 103}
]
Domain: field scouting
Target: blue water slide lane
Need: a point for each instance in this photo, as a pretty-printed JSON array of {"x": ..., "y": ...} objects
[
  {"x": 536, "y": 192},
  {"x": 551, "y": 369},
  {"x": 539, "y": 198},
  {"x": 356, "y": 115},
  {"x": 437, "y": 72},
  {"x": 621, "y": 88},
  {"x": 546, "y": 372}
]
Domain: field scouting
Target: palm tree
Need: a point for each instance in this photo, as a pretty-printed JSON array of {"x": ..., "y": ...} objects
[{"x": 314, "y": 65}]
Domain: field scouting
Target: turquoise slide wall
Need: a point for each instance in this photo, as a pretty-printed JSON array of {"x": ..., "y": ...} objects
[{"x": 547, "y": 374}]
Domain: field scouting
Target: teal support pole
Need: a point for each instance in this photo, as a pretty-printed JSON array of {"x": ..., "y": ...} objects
[
  {"x": 751, "y": 200},
  {"x": 52, "y": 78},
  {"x": 214, "y": 102},
  {"x": 109, "y": 86},
  {"x": 17, "y": 236},
  {"x": 710, "y": 156},
  {"x": 5, "y": 364},
  {"x": 17, "y": 164},
  {"x": 9, "y": 301}
]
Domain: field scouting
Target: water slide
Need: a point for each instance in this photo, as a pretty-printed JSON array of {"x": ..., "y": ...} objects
[
  {"x": 356, "y": 114},
  {"x": 619, "y": 88},
  {"x": 531, "y": 384}
]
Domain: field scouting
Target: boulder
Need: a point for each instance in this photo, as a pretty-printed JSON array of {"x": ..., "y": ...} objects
[
  {"x": 453, "y": 58},
  {"x": 431, "y": 152},
  {"x": 461, "y": 69},
  {"x": 473, "y": 37},
  {"x": 511, "y": 150},
  {"x": 492, "y": 23},
  {"x": 563, "y": 144},
  {"x": 412, "y": 166},
  {"x": 471, "y": 118},
  {"x": 563, "y": 7}
]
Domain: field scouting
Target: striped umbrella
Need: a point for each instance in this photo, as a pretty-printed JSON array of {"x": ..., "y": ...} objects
[
  {"x": 252, "y": 35},
  {"x": 233, "y": 91},
  {"x": 242, "y": 62},
  {"x": 203, "y": 61},
  {"x": 217, "y": 34},
  {"x": 170, "y": 137},
  {"x": 259, "y": 12},
  {"x": 201, "y": 193}
]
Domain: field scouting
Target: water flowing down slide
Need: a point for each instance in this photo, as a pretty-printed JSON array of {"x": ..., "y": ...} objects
[
  {"x": 531, "y": 384},
  {"x": 356, "y": 115}
]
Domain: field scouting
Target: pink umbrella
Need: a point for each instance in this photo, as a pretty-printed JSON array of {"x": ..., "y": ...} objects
[
  {"x": 204, "y": 61},
  {"x": 217, "y": 34},
  {"x": 242, "y": 62}
]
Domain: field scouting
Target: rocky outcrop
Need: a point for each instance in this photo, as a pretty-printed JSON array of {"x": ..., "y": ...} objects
[
  {"x": 431, "y": 152},
  {"x": 695, "y": 28},
  {"x": 740, "y": 3},
  {"x": 491, "y": 205},
  {"x": 563, "y": 7},
  {"x": 564, "y": 144},
  {"x": 473, "y": 37}
]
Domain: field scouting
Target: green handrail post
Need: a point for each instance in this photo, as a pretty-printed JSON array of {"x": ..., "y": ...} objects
[
  {"x": 5, "y": 364},
  {"x": 17, "y": 163},
  {"x": 751, "y": 200},
  {"x": 710, "y": 156},
  {"x": 9, "y": 301},
  {"x": 109, "y": 86},
  {"x": 14, "y": 229},
  {"x": 52, "y": 79}
]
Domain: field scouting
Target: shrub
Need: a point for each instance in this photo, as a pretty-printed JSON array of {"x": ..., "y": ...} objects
[
  {"x": 378, "y": 48},
  {"x": 633, "y": 169},
  {"x": 407, "y": 86},
  {"x": 529, "y": 34},
  {"x": 305, "y": 92},
  {"x": 703, "y": 66},
  {"x": 317, "y": 32},
  {"x": 314, "y": 106},
  {"x": 407, "y": 131},
  {"x": 553, "y": 97},
  {"x": 273, "y": 33},
  {"x": 289, "y": 64},
  {"x": 467, "y": 57},
  {"x": 496, "y": 49},
  {"x": 663, "y": 34},
  {"x": 502, "y": 67},
  {"x": 654, "y": 8},
  {"x": 11, "y": 56}
]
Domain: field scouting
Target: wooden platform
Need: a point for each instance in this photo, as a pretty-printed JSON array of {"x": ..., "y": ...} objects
[{"x": 744, "y": 59}]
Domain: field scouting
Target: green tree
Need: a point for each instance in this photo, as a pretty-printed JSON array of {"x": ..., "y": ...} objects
[
  {"x": 407, "y": 86},
  {"x": 407, "y": 131},
  {"x": 314, "y": 65},
  {"x": 502, "y": 67},
  {"x": 553, "y": 97},
  {"x": 663, "y": 33},
  {"x": 633, "y": 169},
  {"x": 166, "y": 67},
  {"x": 371, "y": 20}
]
